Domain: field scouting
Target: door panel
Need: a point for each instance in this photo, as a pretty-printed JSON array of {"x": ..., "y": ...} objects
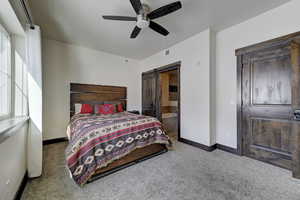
[
  {"x": 267, "y": 106},
  {"x": 271, "y": 81},
  {"x": 272, "y": 134},
  {"x": 149, "y": 84}
]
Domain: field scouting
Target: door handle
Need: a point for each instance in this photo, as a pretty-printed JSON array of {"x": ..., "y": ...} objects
[{"x": 297, "y": 115}]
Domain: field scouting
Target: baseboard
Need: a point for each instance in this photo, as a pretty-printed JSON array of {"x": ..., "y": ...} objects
[
  {"x": 53, "y": 141},
  {"x": 198, "y": 145},
  {"x": 210, "y": 148},
  {"x": 227, "y": 149},
  {"x": 22, "y": 186}
]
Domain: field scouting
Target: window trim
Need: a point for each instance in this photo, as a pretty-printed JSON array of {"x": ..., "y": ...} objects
[
  {"x": 4, "y": 117},
  {"x": 11, "y": 62},
  {"x": 8, "y": 127}
]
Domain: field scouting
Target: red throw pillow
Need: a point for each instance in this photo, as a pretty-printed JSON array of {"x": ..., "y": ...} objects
[
  {"x": 120, "y": 108},
  {"x": 86, "y": 109},
  {"x": 106, "y": 109}
]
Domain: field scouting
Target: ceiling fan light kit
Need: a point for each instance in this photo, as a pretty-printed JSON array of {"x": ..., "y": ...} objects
[
  {"x": 142, "y": 21},
  {"x": 145, "y": 16}
]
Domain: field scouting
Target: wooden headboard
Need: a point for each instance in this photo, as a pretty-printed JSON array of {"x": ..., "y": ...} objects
[{"x": 87, "y": 93}]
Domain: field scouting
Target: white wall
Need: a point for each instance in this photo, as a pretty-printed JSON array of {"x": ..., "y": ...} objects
[
  {"x": 13, "y": 158},
  {"x": 275, "y": 23},
  {"x": 64, "y": 63},
  {"x": 194, "y": 53}
]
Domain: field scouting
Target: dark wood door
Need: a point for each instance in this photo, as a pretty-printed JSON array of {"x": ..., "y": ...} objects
[
  {"x": 149, "y": 93},
  {"x": 267, "y": 106},
  {"x": 295, "y": 59}
]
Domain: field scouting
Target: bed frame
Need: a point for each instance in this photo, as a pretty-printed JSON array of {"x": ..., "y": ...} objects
[{"x": 87, "y": 93}]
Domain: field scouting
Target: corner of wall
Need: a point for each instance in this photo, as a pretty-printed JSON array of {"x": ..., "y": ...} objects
[{"x": 212, "y": 89}]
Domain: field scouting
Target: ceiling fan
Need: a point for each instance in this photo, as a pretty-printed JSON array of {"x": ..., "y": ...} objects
[{"x": 145, "y": 16}]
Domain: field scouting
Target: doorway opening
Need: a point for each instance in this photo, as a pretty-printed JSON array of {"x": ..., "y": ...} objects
[
  {"x": 161, "y": 97},
  {"x": 169, "y": 93}
]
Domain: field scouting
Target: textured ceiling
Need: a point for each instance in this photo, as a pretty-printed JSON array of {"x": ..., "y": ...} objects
[{"x": 79, "y": 22}]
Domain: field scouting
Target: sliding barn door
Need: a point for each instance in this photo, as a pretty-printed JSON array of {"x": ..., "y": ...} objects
[
  {"x": 149, "y": 93},
  {"x": 267, "y": 106},
  {"x": 295, "y": 58}
]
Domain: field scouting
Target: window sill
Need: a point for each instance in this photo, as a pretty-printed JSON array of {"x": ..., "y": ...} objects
[{"x": 9, "y": 127}]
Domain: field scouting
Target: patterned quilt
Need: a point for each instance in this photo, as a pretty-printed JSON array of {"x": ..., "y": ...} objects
[{"x": 98, "y": 140}]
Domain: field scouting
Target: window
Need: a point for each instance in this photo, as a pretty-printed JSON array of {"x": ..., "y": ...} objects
[
  {"x": 5, "y": 74},
  {"x": 20, "y": 86}
]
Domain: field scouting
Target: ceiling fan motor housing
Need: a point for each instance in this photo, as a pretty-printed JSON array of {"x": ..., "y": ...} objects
[{"x": 142, "y": 19}]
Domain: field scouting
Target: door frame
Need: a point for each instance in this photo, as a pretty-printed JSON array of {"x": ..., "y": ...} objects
[
  {"x": 166, "y": 68},
  {"x": 239, "y": 109},
  {"x": 239, "y": 59},
  {"x": 294, "y": 41}
]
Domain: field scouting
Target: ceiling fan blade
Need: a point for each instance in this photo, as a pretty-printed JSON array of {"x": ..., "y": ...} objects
[
  {"x": 137, "y": 5},
  {"x": 119, "y": 18},
  {"x": 135, "y": 32},
  {"x": 158, "y": 28},
  {"x": 165, "y": 10}
]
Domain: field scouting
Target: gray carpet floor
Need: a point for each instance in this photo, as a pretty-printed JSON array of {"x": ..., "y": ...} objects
[{"x": 186, "y": 173}]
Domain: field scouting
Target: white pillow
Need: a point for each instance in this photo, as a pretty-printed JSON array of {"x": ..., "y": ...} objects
[{"x": 77, "y": 108}]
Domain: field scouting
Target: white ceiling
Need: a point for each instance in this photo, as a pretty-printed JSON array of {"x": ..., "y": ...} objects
[{"x": 79, "y": 22}]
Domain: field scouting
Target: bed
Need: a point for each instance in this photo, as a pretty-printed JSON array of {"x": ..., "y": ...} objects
[{"x": 103, "y": 144}]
